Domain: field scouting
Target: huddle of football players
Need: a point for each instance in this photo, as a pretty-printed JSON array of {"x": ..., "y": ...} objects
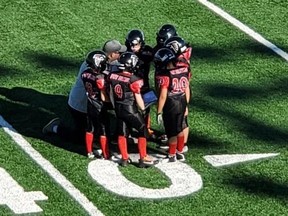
[{"x": 117, "y": 78}]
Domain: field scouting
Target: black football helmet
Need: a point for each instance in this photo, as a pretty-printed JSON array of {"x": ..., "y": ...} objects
[
  {"x": 128, "y": 61},
  {"x": 134, "y": 37},
  {"x": 165, "y": 32},
  {"x": 163, "y": 56},
  {"x": 97, "y": 59},
  {"x": 176, "y": 44}
]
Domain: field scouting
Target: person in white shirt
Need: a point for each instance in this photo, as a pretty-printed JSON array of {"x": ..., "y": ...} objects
[{"x": 77, "y": 101}]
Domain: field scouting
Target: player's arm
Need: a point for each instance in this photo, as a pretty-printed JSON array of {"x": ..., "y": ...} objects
[
  {"x": 139, "y": 101},
  {"x": 104, "y": 96},
  {"x": 136, "y": 89},
  {"x": 101, "y": 86},
  {"x": 188, "y": 93},
  {"x": 162, "y": 99},
  {"x": 163, "y": 84}
]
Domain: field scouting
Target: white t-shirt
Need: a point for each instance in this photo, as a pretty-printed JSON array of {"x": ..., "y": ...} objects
[{"x": 77, "y": 96}]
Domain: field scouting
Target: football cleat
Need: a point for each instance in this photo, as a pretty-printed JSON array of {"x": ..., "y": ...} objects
[
  {"x": 172, "y": 158},
  {"x": 180, "y": 156},
  {"x": 90, "y": 155},
  {"x": 98, "y": 153},
  {"x": 147, "y": 162},
  {"x": 124, "y": 162},
  {"x": 163, "y": 138}
]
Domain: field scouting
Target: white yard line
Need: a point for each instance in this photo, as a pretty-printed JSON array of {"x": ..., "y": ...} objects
[
  {"x": 244, "y": 28},
  {"x": 50, "y": 169},
  {"x": 230, "y": 159}
]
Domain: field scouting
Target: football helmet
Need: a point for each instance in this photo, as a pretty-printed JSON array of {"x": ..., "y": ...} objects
[
  {"x": 128, "y": 61},
  {"x": 135, "y": 37},
  {"x": 166, "y": 31},
  {"x": 97, "y": 59},
  {"x": 163, "y": 56},
  {"x": 176, "y": 44}
]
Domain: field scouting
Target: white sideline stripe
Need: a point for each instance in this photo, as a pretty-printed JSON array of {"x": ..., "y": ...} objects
[
  {"x": 244, "y": 28},
  {"x": 50, "y": 169}
]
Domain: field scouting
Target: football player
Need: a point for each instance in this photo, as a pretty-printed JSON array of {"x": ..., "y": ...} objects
[
  {"x": 183, "y": 53},
  {"x": 77, "y": 105},
  {"x": 135, "y": 42},
  {"x": 173, "y": 82},
  {"x": 98, "y": 119},
  {"x": 129, "y": 106},
  {"x": 77, "y": 101},
  {"x": 165, "y": 31}
]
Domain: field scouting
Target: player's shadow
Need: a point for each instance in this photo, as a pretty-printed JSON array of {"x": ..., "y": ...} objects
[
  {"x": 229, "y": 52},
  {"x": 260, "y": 185},
  {"x": 253, "y": 127},
  {"x": 28, "y": 110},
  {"x": 52, "y": 62},
  {"x": 231, "y": 92},
  {"x": 207, "y": 54},
  {"x": 10, "y": 72}
]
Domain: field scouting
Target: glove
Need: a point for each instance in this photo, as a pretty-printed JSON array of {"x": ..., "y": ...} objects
[{"x": 159, "y": 119}]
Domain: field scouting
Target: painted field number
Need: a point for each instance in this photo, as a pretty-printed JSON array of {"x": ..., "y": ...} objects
[
  {"x": 14, "y": 196},
  {"x": 184, "y": 180}
]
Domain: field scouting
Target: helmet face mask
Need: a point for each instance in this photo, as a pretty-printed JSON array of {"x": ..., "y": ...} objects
[
  {"x": 97, "y": 60},
  {"x": 128, "y": 62},
  {"x": 135, "y": 37},
  {"x": 164, "y": 56},
  {"x": 176, "y": 44}
]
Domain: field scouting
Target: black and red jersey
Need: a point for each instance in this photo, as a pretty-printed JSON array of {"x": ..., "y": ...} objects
[
  {"x": 145, "y": 56},
  {"x": 123, "y": 86},
  {"x": 93, "y": 82},
  {"x": 176, "y": 80},
  {"x": 183, "y": 60}
]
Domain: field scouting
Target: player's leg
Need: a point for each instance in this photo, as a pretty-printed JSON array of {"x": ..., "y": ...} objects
[
  {"x": 104, "y": 130},
  {"x": 135, "y": 120},
  {"x": 174, "y": 112},
  {"x": 122, "y": 142}
]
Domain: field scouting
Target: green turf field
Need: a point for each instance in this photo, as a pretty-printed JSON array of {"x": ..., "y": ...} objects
[{"x": 239, "y": 106}]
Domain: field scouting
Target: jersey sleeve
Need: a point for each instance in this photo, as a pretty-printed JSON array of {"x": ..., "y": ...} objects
[
  {"x": 136, "y": 86},
  {"x": 187, "y": 54},
  {"x": 162, "y": 81},
  {"x": 100, "y": 83}
]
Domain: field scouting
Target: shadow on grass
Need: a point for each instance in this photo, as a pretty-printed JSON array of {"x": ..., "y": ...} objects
[
  {"x": 225, "y": 91},
  {"x": 203, "y": 142},
  {"x": 232, "y": 51},
  {"x": 10, "y": 72},
  {"x": 252, "y": 46},
  {"x": 28, "y": 110},
  {"x": 253, "y": 128},
  {"x": 259, "y": 185},
  {"x": 52, "y": 61},
  {"x": 208, "y": 53}
]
